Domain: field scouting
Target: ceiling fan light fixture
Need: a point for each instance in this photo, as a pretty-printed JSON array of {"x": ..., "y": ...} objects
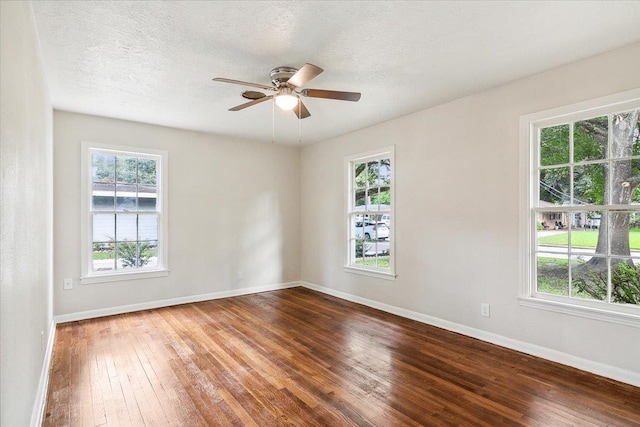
[{"x": 285, "y": 99}]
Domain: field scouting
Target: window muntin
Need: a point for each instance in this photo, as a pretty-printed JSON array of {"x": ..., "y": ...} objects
[
  {"x": 125, "y": 212},
  {"x": 585, "y": 208},
  {"x": 370, "y": 245}
]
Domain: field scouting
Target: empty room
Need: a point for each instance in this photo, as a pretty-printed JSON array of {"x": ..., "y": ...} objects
[{"x": 319, "y": 213}]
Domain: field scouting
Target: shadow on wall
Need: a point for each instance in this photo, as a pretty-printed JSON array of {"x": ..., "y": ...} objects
[{"x": 261, "y": 243}]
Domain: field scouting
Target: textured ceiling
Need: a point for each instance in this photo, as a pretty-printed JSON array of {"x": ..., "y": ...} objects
[{"x": 153, "y": 61}]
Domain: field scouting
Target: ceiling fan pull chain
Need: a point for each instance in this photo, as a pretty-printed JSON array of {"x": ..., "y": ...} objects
[{"x": 273, "y": 121}]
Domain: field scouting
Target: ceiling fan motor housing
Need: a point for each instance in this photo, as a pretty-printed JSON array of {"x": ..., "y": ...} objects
[{"x": 280, "y": 75}]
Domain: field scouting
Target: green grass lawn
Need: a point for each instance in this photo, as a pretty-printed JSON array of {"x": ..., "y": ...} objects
[
  {"x": 382, "y": 262},
  {"x": 586, "y": 239},
  {"x": 103, "y": 255}
]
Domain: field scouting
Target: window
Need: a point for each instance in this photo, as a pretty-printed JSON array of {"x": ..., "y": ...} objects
[
  {"x": 370, "y": 218},
  {"x": 124, "y": 213},
  {"x": 583, "y": 209}
]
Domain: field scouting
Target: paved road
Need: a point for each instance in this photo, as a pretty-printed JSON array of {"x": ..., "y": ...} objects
[{"x": 561, "y": 252}]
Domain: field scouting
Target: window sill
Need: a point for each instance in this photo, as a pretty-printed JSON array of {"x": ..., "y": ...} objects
[
  {"x": 581, "y": 311},
  {"x": 370, "y": 273},
  {"x": 118, "y": 277}
]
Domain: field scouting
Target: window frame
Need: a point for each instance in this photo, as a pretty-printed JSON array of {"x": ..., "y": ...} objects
[
  {"x": 88, "y": 276},
  {"x": 350, "y": 161},
  {"x": 529, "y": 154}
]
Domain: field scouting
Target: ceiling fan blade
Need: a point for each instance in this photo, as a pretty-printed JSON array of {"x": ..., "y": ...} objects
[
  {"x": 331, "y": 94},
  {"x": 304, "y": 74},
  {"x": 250, "y": 103},
  {"x": 301, "y": 111},
  {"x": 240, "y": 82}
]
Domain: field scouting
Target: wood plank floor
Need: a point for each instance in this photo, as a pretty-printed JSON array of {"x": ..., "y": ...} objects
[{"x": 301, "y": 358}]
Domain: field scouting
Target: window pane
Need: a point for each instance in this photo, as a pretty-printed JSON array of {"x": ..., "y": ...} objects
[
  {"x": 385, "y": 172},
  {"x": 103, "y": 257},
  {"x": 373, "y": 173},
  {"x": 625, "y": 240},
  {"x": 147, "y": 171},
  {"x": 147, "y": 227},
  {"x": 589, "y": 277},
  {"x": 127, "y": 255},
  {"x": 383, "y": 255},
  {"x": 360, "y": 198},
  {"x": 554, "y": 186},
  {"x": 588, "y": 184},
  {"x": 136, "y": 254},
  {"x": 625, "y": 175},
  {"x": 626, "y": 134},
  {"x": 358, "y": 251},
  {"x": 372, "y": 199},
  {"x": 126, "y": 169},
  {"x": 590, "y": 139},
  {"x": 554, "y": 145},
  {"x": 125, "y": 197},
  {"x": 360, "y": 227},
  {"x": 380, "y": 230},
  {"x": 586, "y": 234},
  {"x": 103, "y": 168},
  {"x": 553, "y": 274},
  {"x": 372, "y": 228},
  {"x": 625, "y": 281},
  {"x": 126, "y": 227},
  {"x": 104, "y": 228},
  {"x": 354, "y": 221},
  {"x": 147, "y": 197},
  {"x": 360, "y": 175},
  {"x": 103, "y": 197},
  {"x": 149, "y": 253},
  {"x": 555, "y": 238},
  {"x": 384, "y": 198},
  {"x": 370, "y": 249}
]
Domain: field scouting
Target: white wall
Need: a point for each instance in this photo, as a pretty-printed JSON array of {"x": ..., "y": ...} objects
[
  {"x": 457, "y": 211},
  {"x": 233, "y": 205},
  {"x": 25, "y": 213}
]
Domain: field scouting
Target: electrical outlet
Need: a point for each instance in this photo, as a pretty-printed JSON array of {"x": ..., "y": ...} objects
[
  {"x": 239, "y": 275},
  {"x": 485, "y": 309},
  {"x": 67, "y": 283}
]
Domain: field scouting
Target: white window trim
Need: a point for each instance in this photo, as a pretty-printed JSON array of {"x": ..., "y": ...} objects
[
  {"x": 89, "y": 277},
  {"x": 528, "y": 297},
  {"x": 387, "y": 274}
]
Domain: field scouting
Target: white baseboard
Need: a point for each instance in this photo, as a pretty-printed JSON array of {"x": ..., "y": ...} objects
[
  {"x": 41, "y": 394},
  {"x": 90, "y": 314},
  {"x": 597, "y": 368}
]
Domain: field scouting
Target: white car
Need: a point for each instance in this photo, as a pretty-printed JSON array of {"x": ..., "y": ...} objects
[{"x": 371, "y": 230}]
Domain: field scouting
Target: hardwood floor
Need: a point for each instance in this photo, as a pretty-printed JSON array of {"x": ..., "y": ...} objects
[{"x": 302, "y": 358}]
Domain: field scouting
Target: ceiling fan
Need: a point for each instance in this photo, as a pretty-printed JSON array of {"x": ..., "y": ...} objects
[{"x": 286, "y": 83}]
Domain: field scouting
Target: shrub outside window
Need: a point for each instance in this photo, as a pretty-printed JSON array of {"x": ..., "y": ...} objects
[
  {"x": 370, "y": 216},
  {"x": 124, "y": 218},
  {"x": 583, "y": 209}
]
